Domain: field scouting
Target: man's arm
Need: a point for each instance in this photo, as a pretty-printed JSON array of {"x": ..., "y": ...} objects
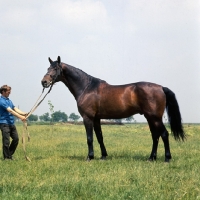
[
  {"x": 19, "y": 111},
  {"x": 23, "y": 118}
]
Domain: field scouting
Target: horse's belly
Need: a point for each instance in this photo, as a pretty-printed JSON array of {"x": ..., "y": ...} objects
[{"x": 117, "y": 111}]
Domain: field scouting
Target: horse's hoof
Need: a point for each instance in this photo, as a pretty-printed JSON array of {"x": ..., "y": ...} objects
[
  {"x": 89, "y": 158},
  {"x": 167, "y": 160},
  {"x": 168, "y": 157},
  {"x": 151, "y": 159},
  {"x": 103, "y": 158}
]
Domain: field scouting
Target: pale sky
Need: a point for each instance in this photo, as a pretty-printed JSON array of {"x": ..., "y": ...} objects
[{"x": 119, "y": 41}]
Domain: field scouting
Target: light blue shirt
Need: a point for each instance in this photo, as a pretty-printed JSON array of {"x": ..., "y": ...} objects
[{"x": 5, "y": 116}]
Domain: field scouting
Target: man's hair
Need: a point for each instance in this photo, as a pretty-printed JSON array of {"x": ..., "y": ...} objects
[{"x": 4, "y": 88}]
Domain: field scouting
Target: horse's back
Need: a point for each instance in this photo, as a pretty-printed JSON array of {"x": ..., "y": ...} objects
[
  {"x": 126, "y": 100},
  {"x": 121, "y": 101}
]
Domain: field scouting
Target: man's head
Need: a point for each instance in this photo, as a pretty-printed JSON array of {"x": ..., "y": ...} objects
[{"x": 5, "y": 90}]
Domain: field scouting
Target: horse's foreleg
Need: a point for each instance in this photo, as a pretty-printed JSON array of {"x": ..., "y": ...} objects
[
  {"x": 89, "y": 132},
  {"x": 99, "y": 135}
]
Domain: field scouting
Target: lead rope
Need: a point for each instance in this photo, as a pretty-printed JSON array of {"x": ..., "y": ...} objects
[
  {"x": 24, "y": 140},
  {"x": 35, "y": 103},
  {"x": 25, "y": 127}
]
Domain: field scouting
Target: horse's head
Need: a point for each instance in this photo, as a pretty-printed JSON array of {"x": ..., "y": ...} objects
[{"x": 54, "y": 73}]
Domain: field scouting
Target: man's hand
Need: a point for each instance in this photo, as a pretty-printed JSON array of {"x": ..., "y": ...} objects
[
  {"x": 26, "y": 114},
  {"x": 23, "y": 118}
]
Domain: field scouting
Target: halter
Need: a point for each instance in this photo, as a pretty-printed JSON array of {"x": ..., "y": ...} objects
[{"x": 59, "y": 71}]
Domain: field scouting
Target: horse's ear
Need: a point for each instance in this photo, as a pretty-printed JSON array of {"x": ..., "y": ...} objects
[
  {"x": 50, "y": 60},
  {"x": 58, "y": 59}
]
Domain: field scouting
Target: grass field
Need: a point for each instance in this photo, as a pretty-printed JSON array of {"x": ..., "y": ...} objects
[{"x": 58, "y": 169}]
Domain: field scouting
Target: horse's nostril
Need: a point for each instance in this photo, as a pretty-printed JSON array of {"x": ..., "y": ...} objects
[{"x": 44, "y": 82}]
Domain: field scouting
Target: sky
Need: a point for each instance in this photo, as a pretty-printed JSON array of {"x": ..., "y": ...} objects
[{"x": 119, "y": 41}]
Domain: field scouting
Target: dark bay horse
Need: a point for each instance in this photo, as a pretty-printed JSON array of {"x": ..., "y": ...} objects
[{"x": 97, "y": 100}]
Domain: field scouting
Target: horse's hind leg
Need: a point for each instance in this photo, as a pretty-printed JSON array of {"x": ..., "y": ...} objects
[
  {"x": 158, "y": 129},
  {"x": 165, "y": 138},
  {"x": 155, "y": 137},
  {"x": 98, "y": 131}
]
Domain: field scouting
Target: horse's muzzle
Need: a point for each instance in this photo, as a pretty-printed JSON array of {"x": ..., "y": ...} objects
[{"x": 45, "y": 83}]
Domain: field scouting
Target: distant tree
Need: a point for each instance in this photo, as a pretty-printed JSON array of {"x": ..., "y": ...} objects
[
  {"x": 45, "y": 117},
  {"x": 118, "y": 120},
  {"x": 33, "y": 118},
  {"x": 129, "y": 119},
  {"x": 74, "y": 117},
  {"x": 59, "y": 116},
  {"x": 51, "y": 108}
]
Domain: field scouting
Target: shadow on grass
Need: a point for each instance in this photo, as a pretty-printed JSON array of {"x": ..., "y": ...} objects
[
  {"x": 80, "y": 158},
  {"x": 122, "y": 157},
  {"x": 137, "y": 157},
  {"x": 140, "y": 157},
  {"x": 112, "y": 156}
]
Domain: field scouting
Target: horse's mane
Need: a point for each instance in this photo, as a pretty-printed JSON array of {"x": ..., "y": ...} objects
[{"x": 81, "y": 73}]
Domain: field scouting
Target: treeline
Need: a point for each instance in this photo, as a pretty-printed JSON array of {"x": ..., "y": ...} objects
[
  {"x": 59, "y": 116},
  {"x": 56, "y": 116},
  {"x": 118, "y": 121}
]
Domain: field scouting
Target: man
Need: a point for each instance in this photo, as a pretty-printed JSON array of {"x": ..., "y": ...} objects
[{"x": 8, "y": 129}]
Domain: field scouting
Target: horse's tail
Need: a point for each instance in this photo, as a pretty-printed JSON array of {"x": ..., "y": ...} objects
[{"x": 174, "y": 115}]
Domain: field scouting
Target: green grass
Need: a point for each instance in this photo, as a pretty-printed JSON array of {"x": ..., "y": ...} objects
[{"x": 59, "y": 171}]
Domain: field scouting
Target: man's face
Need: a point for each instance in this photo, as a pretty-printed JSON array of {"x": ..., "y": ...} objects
[{"x": 6, "y": 94}]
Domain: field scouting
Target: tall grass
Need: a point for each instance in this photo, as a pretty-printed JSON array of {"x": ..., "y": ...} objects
[{"x": 59, "y": 171}]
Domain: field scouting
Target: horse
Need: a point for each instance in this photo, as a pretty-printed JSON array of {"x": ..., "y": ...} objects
[{"x": 96, "y": 100}]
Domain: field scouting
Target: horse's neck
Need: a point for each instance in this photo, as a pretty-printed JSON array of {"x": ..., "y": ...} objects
[{"x": 76, "y": 80}]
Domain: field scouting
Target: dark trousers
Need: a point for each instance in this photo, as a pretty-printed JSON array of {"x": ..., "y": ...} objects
[{"x": 7, "y": 132}]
